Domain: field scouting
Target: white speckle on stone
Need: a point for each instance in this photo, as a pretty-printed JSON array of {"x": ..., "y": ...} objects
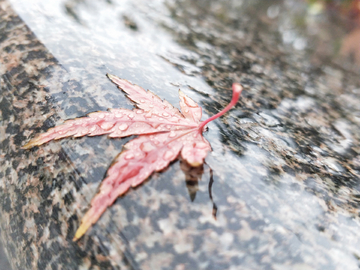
[
  {"x": 226, "y": 239},
  {"x": 183, "y": 247},
  {"x": 166, "y": 226}
]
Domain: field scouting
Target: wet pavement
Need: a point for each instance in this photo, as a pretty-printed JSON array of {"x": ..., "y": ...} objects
[
  {"x": 4, "y": 262},
  {"x": 280, "y": 189}
]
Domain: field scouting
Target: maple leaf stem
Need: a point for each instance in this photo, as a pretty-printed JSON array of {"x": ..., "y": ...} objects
[{"x": 237, "y": 89}]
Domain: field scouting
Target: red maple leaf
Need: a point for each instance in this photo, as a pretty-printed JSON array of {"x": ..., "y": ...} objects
[{"x": 164, "y": 133}]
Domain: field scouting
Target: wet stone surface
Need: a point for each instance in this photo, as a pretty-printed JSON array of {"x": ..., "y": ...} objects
[{"x": 284, "y": 170}]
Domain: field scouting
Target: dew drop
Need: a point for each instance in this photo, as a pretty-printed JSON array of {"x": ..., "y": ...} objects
[
  {"x": 107, "y": 125},
  {"x": 129, "y": 156},
  {"x": 131, "y": 116},
  {"x": 138, "y": 180},
  {"x": 161, "y": 165},
  {"x": 106, "y": 190},
  {"x": 167, "y": 126},
  {"x": 123, "y": 126},
  {"x": 174, "y": 119},
  {"x": 190, "y": 102},
  {"x": 168, "y": 155},
  {"x": 147, "y": 146},
  {"x": 151, "y": 106},
  {"x": 101, "y": 115},
  {"x": 186, "y": 110},
  {"x": 172, "y": 134},
  {"x": 142, "y": 101},
  {"x": 84, "y": 131},
  {"x": 92, "y": 129},
  {"x": 201, "y": 145},
  {"x": 138, "y": 112},
  {"x": 165, "y": 114},
  {"x": 118, "y": 115}
]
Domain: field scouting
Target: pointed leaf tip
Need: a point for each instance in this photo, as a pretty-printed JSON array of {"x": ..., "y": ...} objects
[
  {"x": 81, "y": 230},
  {"x": 26, "y": 146},
  {"x": 30, "y": 144},
  {"x": 110, "y": 76}
]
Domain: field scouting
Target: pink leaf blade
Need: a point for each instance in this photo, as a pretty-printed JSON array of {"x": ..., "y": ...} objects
[
  {"x": 195, "y": 149},
  {"x": 116, "y": 122},
  {"x": 99, "y": 204},
  {"x": 189, "y": 108},
  {"x": 145, "y": 100},
  {"x": 144, "y": 155}
]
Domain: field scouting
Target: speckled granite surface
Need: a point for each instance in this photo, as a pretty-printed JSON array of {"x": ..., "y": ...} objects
[{"x": 285, "y": 161}]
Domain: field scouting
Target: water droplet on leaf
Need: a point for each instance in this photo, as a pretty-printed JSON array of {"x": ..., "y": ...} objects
[
  {"x": 129, "y": 156},
  {"x": 190, "y": 102},
  {"x": 147, "y": 146},
  {"x": 201, "y": 145},
  {"x": 107, "y": 125},
  {"x": 84, "y": 131},
  {"x": 172, "y": 134},
  {"x": 174, "y": 119},
  {"x": 123, "y": 126},
  {"x": 168, "y": 155},
  {"x": 92, "y": 129}
]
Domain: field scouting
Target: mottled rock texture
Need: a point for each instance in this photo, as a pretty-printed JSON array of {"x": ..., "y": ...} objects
[{"x": 285, "y": 163}]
